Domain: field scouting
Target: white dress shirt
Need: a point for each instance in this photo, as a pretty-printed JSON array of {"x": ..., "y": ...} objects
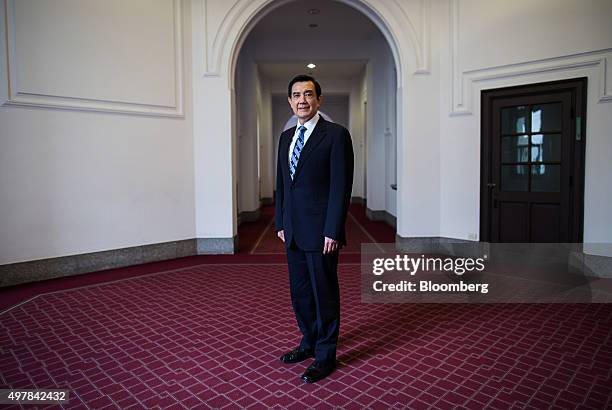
[{"x": 310, "y": 125}]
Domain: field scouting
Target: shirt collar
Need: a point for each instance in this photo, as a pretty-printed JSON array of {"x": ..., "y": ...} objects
[{"x": 310, "y": 124}]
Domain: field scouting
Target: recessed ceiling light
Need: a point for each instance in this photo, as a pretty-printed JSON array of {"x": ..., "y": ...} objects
[
  {"x": 314, "y": 11},
  {"x": 311, "y": 65},
  {"x": 313, "y": 25}
]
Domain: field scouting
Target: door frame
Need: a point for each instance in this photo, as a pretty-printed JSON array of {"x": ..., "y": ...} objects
[{"x": 578, "y": 88}]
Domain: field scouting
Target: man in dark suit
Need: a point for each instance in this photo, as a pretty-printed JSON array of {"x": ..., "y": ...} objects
[{"x": 313, "y": 191}]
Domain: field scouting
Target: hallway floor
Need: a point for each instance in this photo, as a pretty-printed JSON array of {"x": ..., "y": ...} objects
[{"x": 207, "y": 332}]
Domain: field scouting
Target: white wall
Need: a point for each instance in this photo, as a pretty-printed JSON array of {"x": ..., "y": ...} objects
[
  {"x": 214, "y": 126},
  {"x": 448, "y": 52},
  {"x": 381, "y": 132},
  {"x": 119, "y": 126},
  {"x": 101, "y": 51},
  {"x": 519, "y": 43},
  {"x": 357, "y": 124},
  {"x": 97, "y": 176},
  {"x": 267, "y": 152},
  {"x": 248, "y": 99}
]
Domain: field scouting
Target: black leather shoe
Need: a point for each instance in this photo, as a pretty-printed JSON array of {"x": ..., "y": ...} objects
[
  {"x": 296, "y": 356},
  {"x": 318, "y": 371}
]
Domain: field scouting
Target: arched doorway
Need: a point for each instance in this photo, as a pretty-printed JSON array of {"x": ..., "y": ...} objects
[{"x": 375, "y": 75}]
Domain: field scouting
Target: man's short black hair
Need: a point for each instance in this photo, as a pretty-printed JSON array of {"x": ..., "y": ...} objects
[{"x": 301, "y": 79}]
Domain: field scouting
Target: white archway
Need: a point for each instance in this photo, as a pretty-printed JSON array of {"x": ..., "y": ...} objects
[
  {"x": 378, "y": 12},
  {"x": 373, "y": 15},
  {"x": 218, "y": 50}
]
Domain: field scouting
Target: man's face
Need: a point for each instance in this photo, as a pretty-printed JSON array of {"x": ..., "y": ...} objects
[{"x": 304, "y": 101}]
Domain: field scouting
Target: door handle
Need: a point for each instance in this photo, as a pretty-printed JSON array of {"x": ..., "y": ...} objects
[{"x": 491, "y": 186}]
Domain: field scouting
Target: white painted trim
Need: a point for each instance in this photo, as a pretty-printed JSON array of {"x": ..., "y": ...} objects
[
  {"x": 411, "y": 54},
  {"x": 462, "y": 104},
  {"x": 17, "y": 98},
  {"x": 213, "y": 55},
  {"x": 4, "y": 67},
  {"x": 455, "y": 88},
  {"x": 420, "y": 40},
  {"x": 463, "y": 83},
  {"x": 425, "y": 44},
  {"x": 205, "y": 51},
  {"x": 212, "y": 58}
]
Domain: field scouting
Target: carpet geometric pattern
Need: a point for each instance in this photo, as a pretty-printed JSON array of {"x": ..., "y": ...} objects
[
  {"x": 210, "y": 336},
  {"x": 262, "y": 240}
]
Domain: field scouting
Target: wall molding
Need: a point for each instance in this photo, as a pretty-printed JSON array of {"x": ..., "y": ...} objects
[
  {"x": 216, "y": 246},
  {"x": 4, "y": 84},
  {"x": 421, "y": 39},
  {"x": 381, "y": 215},
  {"x": 249, "y": 11},
  {"x": 213, "y": 54},
  {"x": 431, "y": 244},
  {"x": 50, "y": 268},
  {"x": 56, "y": 267},
  {"x": 17, "y": 98},
  {"x": 31, "y": 271},
  {"x": 464, "y": 83}
]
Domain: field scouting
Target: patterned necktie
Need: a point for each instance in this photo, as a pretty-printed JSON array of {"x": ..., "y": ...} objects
[{"x": 297, "y": 150}]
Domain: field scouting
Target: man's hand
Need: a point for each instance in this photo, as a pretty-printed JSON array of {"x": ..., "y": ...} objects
[
  {"x": 330, "y": 246},
  {"x": 281, "y": 235}
]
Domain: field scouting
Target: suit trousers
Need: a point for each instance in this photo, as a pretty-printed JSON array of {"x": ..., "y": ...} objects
[{"x": 315, "y": 296}]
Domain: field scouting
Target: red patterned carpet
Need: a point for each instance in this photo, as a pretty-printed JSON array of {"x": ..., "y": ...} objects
[
  {"x": 209, "y": 334},
  {"x": 259, "y": 238}
]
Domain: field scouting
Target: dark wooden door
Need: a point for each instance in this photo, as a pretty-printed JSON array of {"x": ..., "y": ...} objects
[{"x": 533, "y": 163}]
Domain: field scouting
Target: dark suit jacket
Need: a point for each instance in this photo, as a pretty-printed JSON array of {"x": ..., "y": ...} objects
[{"x": 315, "y": 203}]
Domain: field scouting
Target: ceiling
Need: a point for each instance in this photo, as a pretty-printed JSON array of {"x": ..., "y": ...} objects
[
  {"x": 325, "y": 68},
  {"x": 291, "y": 24},
  {"x": 334, "y": 20}
]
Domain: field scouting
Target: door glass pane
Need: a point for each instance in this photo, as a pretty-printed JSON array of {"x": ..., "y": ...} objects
[
  {"x": 546, "y": 147},
  {"x": 546, "y": 117},
  {"x": 545, "y": 178},
  {"x": 514, "y": 119},
  {"x": 514, "y": 177},
  {"x": 515, "y": 149}
]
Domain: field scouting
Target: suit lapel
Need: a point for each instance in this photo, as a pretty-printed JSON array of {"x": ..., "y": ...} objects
[{"x": 315, "y": 139}]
